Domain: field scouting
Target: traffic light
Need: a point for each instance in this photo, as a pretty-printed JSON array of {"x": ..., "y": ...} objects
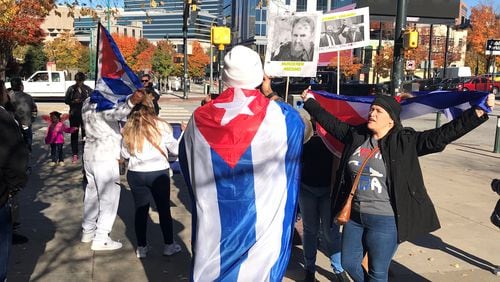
[{"x": 410, "y": 39}]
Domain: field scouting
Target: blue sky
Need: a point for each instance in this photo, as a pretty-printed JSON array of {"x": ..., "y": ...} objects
[{"x": 119, "y": 3}]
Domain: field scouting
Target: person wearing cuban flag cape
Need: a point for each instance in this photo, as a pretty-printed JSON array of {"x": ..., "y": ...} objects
[{"x": 240, "y": 157}]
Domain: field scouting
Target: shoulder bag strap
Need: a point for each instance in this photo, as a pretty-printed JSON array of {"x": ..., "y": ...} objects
[{"x": 360, "y": 171}]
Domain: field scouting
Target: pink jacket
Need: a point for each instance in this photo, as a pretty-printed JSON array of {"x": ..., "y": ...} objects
[{"x": 55, "y": 131}]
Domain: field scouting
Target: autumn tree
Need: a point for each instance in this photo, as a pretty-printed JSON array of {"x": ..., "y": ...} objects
[
  {"x": 485, "y": 23},
  {"x": 84, "y": 62},
  {"x": 349, "y": 65},
  {"x": 144, "y": 59},
  {"x": 142, "y": 45},
  {"x": 65, "y": 51},
  {"x": 20, "y": 22},
  {"x": 162, "y": 61},
  {"x": 383, "y": 61},
  {"x": 127, "y": 46},
  {"x": 198, "y": 61}
]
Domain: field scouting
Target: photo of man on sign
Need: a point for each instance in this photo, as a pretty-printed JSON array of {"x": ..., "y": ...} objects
[{"x": 293, "y": 44}]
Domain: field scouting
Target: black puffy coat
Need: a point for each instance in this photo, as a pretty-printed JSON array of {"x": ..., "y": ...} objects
[{"x": 400, "y": 149}]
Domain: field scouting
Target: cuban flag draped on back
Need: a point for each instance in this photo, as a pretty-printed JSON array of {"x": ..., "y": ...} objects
[
  {"x": 354, "y": 109},
  {"x": 114, "y": 79},
  {"x": 240, "y": 156}
]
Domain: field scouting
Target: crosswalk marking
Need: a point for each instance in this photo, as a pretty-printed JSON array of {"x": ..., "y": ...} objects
[{"x": 174, "y": 113}]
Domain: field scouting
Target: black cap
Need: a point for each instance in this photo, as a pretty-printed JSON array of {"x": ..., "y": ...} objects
[{"x": 390, "y": 105}]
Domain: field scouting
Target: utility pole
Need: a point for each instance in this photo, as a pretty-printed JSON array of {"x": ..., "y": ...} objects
[
  {"x": 446, "y": 46},
  {"x": 397, "y": 64},
  {"x": 185, "y": 16},
  {"x": 429, "y": 59}
]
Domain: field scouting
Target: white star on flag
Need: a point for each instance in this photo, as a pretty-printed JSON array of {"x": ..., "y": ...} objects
[{"x": 239, "y": 106}]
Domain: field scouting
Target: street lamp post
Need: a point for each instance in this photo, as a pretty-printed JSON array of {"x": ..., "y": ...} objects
[{"x": 184, "y": 41}]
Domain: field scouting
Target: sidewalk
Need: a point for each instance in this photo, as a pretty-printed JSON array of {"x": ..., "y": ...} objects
[{"x": 464, "y": 249}]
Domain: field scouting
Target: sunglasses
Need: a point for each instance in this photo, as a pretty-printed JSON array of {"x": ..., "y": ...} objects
[{"x": 144, "y": 80}]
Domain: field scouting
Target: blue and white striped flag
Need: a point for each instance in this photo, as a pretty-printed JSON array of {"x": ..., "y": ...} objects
[
  {"x": 114, "y": 79},
  {"x": 240, "y": 156},
  {"x": 354, "y": 109}
]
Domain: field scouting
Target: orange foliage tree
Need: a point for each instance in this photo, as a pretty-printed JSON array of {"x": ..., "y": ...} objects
[
  {"x": 197, "y": 61},
  {"x": 20, "y": 22},
  {"x": 485, "y": 25},
  {"x": 127, "y": 45},
  {"x": 349, "y": 65},
  {"x": 142, "y": 45},
  {"x": 144, "y": 59},
  {"x": 383, "y": 61}
]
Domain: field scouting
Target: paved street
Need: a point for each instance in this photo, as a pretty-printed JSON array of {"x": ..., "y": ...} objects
[{"x": 458, "y": 180}]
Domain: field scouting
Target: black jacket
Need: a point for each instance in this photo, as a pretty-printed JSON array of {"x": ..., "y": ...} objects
[
  {"x": 13, "y": 156},
  {"x": 74, "y": 98},
  {"x": 400, "y": 149}
]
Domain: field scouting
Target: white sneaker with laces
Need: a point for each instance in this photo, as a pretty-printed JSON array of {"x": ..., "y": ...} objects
[
  {"x": 171, "y": 249},
  {"x": 105, "y": 245},
  {"x": 142, "y": 252},
  {"x": 88, "y": 237}
]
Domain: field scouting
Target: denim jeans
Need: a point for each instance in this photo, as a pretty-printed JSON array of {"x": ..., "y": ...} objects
[
  {"x": 375, "y": 234},
  {"x": 315, "y": 210},
  {"x": 5, "y": 239}
]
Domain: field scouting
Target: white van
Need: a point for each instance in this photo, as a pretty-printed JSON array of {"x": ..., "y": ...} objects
[{"x": 454, "y": 72}]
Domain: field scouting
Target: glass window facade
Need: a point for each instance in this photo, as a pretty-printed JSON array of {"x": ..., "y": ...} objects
[{"x": 163, "y": 20}]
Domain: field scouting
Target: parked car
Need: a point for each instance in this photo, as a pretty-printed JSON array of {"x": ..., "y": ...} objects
[
  {"x": 480, "y": 84},
  {"x": 496, "y": 76},
  {"x": 456, "y": 83},
  {"x": 43, "y": 85}
]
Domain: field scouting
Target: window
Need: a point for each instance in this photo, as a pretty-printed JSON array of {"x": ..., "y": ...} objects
[
  {"x": 321, "y": 5},
  {"x": 55, "y": 77},
  {"x": 301, "y": 5}
]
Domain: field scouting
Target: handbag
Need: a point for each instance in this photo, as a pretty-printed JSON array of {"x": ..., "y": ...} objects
[{"x": 345, "y": 213}]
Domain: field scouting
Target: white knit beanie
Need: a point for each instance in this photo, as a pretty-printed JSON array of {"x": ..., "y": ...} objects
[{"x": 242, "y": 68}]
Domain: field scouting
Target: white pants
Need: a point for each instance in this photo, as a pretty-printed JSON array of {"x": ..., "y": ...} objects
[{"x": 102, "y": 196}]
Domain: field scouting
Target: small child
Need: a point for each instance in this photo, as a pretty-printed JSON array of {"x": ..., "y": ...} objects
[{"x": 55, "y": 137}]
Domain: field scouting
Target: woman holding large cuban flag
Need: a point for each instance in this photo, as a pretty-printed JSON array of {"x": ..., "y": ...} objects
[{"x": 390, "y": 203}]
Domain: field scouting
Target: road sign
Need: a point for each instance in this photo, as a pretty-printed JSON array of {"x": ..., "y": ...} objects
[
  {"x": 493, "y": 47},
  {"x": 410, "y": 64}
]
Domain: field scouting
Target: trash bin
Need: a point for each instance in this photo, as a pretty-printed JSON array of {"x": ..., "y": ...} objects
[
  {"x": 296, "y": 101},
  {"x": 206, "y": 90}
]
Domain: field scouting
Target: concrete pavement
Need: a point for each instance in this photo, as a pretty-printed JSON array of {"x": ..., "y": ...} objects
[{"x": 465, "y": 248}]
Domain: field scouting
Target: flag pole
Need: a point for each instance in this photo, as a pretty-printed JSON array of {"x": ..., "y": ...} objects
[
  {"x": 286, "y": 92},
  {"x": 98, "y": 42}
]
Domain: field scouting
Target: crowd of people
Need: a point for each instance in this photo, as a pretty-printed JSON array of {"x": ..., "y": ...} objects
[{"x": 245, "y": 195}]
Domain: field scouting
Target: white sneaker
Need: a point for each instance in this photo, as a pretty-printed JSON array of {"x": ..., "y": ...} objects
[
  {"x": 105, "y": 245},
  {"x": 171, "y": 249},
  {"x": 142, "y": 252},
  {"x": 88, "y": 237}
]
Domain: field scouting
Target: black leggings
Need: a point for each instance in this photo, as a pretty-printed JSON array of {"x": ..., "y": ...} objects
[
  {"x": 158, "y": 184},
  {"x": 76, "y": 121}
]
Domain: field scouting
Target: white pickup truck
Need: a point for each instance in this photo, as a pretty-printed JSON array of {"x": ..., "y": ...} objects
[{"x": 49, "y": 84}]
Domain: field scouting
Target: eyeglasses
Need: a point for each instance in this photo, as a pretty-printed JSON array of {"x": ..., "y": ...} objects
[{"x": 144, "y": 80}]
